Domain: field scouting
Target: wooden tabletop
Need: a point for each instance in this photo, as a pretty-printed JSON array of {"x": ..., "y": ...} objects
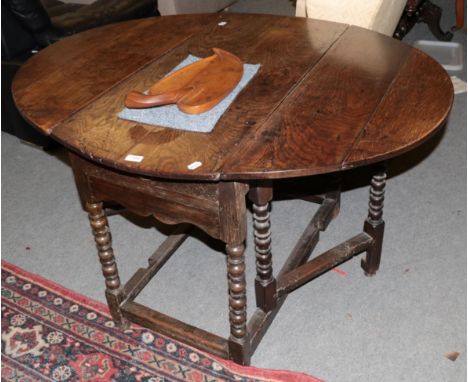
[{"x": 327, "y": 97}]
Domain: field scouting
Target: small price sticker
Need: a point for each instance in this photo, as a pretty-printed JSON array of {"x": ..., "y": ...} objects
[
  {"x": 194, "y": 165},
  {"x": 134, "y": 158}
]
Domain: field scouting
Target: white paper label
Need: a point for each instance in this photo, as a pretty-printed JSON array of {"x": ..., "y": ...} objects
[
  {"x": 134, "y": 158},
  {"x": 194, "y": 165}
]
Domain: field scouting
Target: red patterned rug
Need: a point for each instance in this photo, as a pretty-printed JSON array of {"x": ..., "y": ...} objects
[{"x": 50, "y": 333}]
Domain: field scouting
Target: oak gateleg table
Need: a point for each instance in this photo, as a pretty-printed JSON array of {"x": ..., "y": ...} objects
[{"x": 328, "y": 97}]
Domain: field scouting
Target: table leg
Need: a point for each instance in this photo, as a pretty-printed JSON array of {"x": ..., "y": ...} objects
[
  {"x": 233, "y": 227},
  {"x": 431, "y": 15},
  {"x": 374, "y": 224},
  {"x": 460, "y": 13},
  {"x": 237, "y": 302},
  {"x": 102, "y": 236},
  {"x": 265, "y": 283}
]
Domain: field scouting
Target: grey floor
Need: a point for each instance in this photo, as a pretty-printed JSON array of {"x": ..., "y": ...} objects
[{"x": 397, "y": 326}]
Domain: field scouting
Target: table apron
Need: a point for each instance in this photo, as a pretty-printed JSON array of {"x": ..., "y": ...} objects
[{"x": 214, "y": 207}]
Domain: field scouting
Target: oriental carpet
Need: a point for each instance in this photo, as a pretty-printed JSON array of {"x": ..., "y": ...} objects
[{"x": 50, "y": 333}]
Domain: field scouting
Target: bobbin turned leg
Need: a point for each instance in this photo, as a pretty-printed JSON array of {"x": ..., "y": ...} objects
[
  {"x": 233, "y": 227},
  {"x": 102, "y": 236},
  {"x": 265, "y": 283},
  {"x": 374, "y": 224},
  {"x": 238, "y": 340}
]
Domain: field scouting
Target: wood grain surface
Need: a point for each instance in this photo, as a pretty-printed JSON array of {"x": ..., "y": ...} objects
[
  {"x": 314, "y": 127},
  {"x": 60, "y": 80},
  {"x": 327, "y": 96},
  {"x": 395, "y": 125}
]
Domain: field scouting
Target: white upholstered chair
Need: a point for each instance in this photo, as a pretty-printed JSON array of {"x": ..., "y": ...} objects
[{"x": 378, "y": 15}]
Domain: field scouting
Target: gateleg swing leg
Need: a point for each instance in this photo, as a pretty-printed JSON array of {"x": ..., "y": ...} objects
[
  {"x": 374, "y": 225},
  {"x": 265, "y": 284}
]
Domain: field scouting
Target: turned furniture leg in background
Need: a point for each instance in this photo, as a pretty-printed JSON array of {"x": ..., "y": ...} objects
[
  {"x": 431, "y": 15},
  {"x": 424, "y": 11},
  {"x": 374, "y": 225},
  {"x": 265, "y": 283},
  {"x": 102, "y": 236},
  {"x": 460, "y": 14}
]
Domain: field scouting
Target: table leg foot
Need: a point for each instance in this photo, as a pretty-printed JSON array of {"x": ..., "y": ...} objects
[
  {"x": 372, "y": 261},
  {"x": 431, "y": 14},
  {"x": 102, "y": 236},
  {"x": 114, "y": 299},
  {"x": 374, "y": 224},
  {"x": 239, "y": 351}
]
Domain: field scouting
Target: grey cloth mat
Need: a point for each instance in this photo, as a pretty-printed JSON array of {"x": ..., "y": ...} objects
[{"x": 170, "y": 116}]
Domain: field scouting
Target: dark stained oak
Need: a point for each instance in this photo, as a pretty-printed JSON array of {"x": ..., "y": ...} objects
[
  {"x": 57, "y": 82},
  {"x": 176, "y": 329},
  {"x": 193, "y": 203},
  {"x": 285, "y": 54},
  {"x": 396, "y": 127},
  {"x": 102, "y": 237},
  {"x": 374, "y": 225},
  {"x": 326, "y": 98},
  {"x": 265, "y": 284},
  {"x": 322, "y": 263},
  {"x": 255, "y": 39},
  {"x": 314, "y": 127}
]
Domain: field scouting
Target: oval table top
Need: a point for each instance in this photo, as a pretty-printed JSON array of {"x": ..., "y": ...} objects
[{"x": 327, "y": 96}]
